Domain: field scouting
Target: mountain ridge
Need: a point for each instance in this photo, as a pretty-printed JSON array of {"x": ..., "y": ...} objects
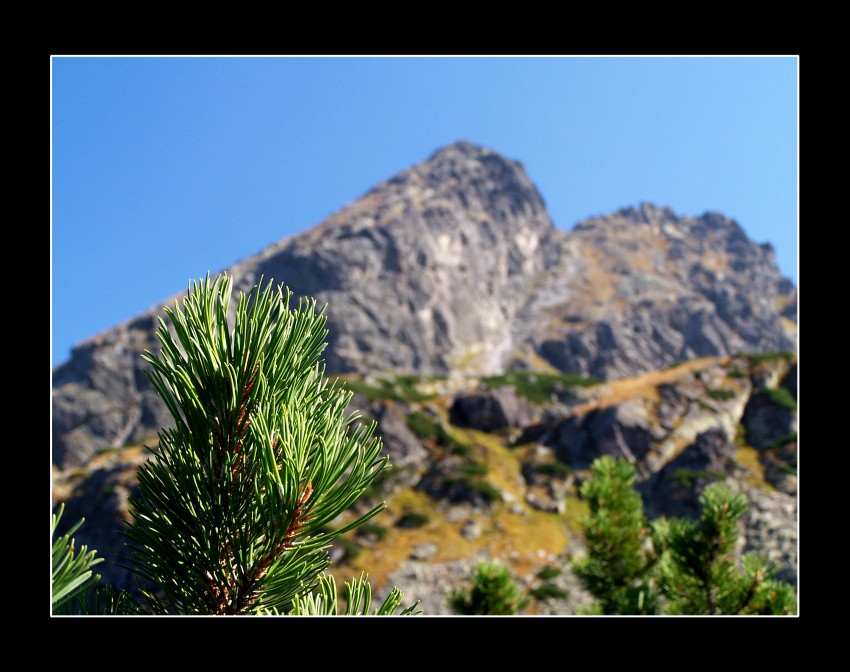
[{"x": 616, "y": 296}]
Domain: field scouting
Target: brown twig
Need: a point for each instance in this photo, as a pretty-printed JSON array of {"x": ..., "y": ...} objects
[{"x": 278, "y": 549}]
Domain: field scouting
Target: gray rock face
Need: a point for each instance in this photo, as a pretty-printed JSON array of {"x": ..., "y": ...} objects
[
  {"x": 679, "y": 431},
  {"x": 408, "y": 456},
  {"x": 623, "y": 431},
  {"x": 492, "y": 410},
  {"x": 767, "y": 422},
  {"x": 642, "y": 288},
  {"x": 101, "y": 397},
  {"x": 453, "y": 266},
  {"x": 423, "y": 273}
]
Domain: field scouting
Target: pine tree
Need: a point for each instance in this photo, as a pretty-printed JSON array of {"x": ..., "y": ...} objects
[
  {"x": 493, "y": 592},
  {"x": 698, "y": 573},
  {"x": 617, "y": 567},
  {"x": 673, "y": 566},
  {"x": 235, "y": 504}
]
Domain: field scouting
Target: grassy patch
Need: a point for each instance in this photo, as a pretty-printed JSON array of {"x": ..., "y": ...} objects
[
  {"x": 686, "y": 478},
  {"x": 704, "y": 405},
  {"x": 350, "y": 549},
  {"x": 526, "y": 535},
  {"x": 790, "y": 437},
  {"x": 423, "y": 426},
  {"x": 503, "y": 464},
  {"x": 486, "y": 490},
  {"x": 371, "y": 531},
  {"x": 411, "y": 519},
  {"x": 536, "y": 386},
  {"x": 737, "y": 373},
  {"x": 476, "y": 484},
  {"x": 428, "y": 429},
  {"x": 750, "y": 458},
  {"x": 741, "y": 436},
  {"x": 719, "y": 394},
  {"x": 400, "y": 388},
  {"x": 474, "y": 468},
  {"x": 781, "y": 397},
  {"x": 408, "y": 387},
  {"x": 549, "y": 572},
  {"x": 575, "y": 511}
]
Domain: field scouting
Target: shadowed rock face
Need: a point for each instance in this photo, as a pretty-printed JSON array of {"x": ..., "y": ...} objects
[
  {"x": 454, "y": 265},
  {"x": 675, "y": 490},
  {"x": 492, "y": 410}
]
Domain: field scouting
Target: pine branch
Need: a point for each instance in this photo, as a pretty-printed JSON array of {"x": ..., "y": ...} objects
[{"x": 231, "y": 509}]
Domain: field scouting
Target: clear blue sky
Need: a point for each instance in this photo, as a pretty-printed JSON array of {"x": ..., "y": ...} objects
[{"x": 166, "y": 168}]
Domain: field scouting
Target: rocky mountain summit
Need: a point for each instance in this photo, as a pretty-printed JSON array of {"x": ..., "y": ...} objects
[
  {"x": 500, "y": 356},
  {"x": 453, "y": 266}
]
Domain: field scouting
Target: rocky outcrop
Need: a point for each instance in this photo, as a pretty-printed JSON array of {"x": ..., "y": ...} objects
[
  {"x": 651, "y": 425},
  {"x": 770, "y": 417},
  {"x": 492, "y": 410},
  {"x": 623, "y": 431},
  {"x": 767, "y": 422}
]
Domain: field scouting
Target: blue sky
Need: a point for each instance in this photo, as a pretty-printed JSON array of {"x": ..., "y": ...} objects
[{"x": 163, "y": 169}]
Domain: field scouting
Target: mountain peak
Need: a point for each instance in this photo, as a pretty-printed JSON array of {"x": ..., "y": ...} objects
[
  {"x": 648, "y": 212},
  {"x": 461, "y": 148}
]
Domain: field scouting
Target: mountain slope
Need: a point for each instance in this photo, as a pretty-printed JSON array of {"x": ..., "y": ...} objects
[
  {"x": 453, "y": 266},
  {"x": 491, "y": 467}
]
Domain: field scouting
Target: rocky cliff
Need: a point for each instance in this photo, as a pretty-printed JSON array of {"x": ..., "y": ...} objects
[
  {"x": 454, "y": 266},
  {"x": 641, "y": 288}
]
